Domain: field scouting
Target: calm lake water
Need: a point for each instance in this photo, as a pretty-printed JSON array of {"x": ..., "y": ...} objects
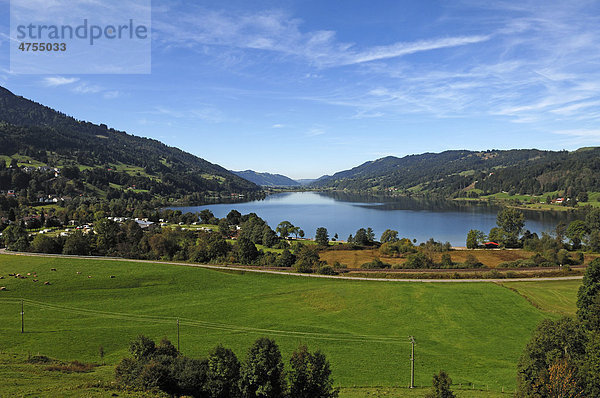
[{"x": 343, "y": 214}]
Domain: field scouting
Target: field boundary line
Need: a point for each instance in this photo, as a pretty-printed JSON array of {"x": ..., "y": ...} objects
[{"x": 241, "y": 269}]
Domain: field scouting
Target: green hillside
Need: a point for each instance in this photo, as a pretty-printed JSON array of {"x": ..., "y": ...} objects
[
  {"x": 99, "y": 160},
  {"x": 267, "y": 179},
  {"x": 456, "y": 173},
  {"x": 474, "y": 331}
]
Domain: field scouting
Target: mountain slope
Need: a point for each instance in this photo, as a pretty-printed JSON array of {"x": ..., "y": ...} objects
[
  {"x": 527, "y": 171},
  {"x": 266, "y": 179},
  {"x": 106, "y": 158}
]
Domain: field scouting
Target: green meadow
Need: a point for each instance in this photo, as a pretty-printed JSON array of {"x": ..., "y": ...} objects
[{"x": 474, "y": 331}]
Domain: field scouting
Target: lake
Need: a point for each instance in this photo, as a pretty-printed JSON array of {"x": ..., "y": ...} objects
[{"x": 421, "y": 219}]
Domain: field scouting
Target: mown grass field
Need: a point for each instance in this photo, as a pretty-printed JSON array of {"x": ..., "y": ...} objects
[
  {"x": 355, "y": 258},
  {"x": 559, "y": 297},
  {"x": 490, "y": 258},
  {"x": 475, "y": 331}
]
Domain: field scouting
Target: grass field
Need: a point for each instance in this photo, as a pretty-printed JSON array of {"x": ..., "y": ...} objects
[
  {"x": 23, "y": 379},
  {"x": 491, "y": 258},
  {"x": 474, "y": 331},
  {"x": 559, "y": 297}
]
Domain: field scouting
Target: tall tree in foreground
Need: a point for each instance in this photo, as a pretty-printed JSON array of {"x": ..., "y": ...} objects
[
  {"x": 310, "y": 375},
  {"x": 223, "y": 374},
  {"x": 562, "y": 359},
  {"x": 262, "y": 373},
  {"x": 588, "y": 296},
  {"x": 552, "y": 343}
]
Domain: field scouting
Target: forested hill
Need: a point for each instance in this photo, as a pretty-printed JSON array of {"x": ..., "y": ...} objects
[
  {"x": 106, "y": 159},
  {"x": 524, "y": 171},
  {"x": 267, "y": 179}
]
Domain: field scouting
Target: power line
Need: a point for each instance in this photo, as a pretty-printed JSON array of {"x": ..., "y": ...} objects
[{"x": 212, "y": 325}]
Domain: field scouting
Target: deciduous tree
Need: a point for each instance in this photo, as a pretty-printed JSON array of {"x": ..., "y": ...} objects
[
  {"x": 321, "y": 236},
  {"x": 262, "y": 373}
]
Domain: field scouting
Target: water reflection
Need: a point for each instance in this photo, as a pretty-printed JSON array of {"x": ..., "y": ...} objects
[{"x": 343, "y": 213}]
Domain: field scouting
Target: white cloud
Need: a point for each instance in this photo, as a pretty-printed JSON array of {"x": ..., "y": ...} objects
[
  {"x": 59, "y": 81},
  {"x": 86, "y": 88},
  {"x": 207, "y": 113},
  {"x": 111, "y": 94},
  {"x": 581, "y": 133},
  {"x": 277, "y": 32},
  {"x": 278, "y": 126},
  {"x": 400, "y": 49},
  {"x": 575, "y": 108},
  {"x": 314, "y": 132}
]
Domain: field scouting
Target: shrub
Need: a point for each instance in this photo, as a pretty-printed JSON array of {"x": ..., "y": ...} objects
[
  {"x": 397, "y": 248},
  {"x": 375, "y": 264},
  {"x": 191, "y": 376},
  {"x": 472, "y": 262},
  {"x": 39, "y": 359},
  {"x": 307, "y": 259},
  {"x": 418, "y": 260},
  {"x": 493, "y": 274},
  {"x": 433, "y": 246},
  {"x": 71, "y": 367},
  {"x": 441, "y": 386},
  {"x": 327, "y": 270},
  {"x": 446, "y": 260},
  {"x": 285, "y": 259}
]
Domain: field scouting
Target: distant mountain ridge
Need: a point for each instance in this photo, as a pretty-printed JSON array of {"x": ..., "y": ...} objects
[
  {"x": 525, "y": 171},
  {"x": 267, "y": 179},
  {"x": 307, "y": 181},
  {"x": 106, "y": 158}
]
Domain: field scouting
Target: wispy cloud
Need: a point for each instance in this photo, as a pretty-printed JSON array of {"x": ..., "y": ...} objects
[
  {"x": 59, "y": 81},
  {"x": 86, "y": 88},
  {"x": 517, "y": 75},
  {"x": 578, "y": 137},
  {"x": 401, "y": 49},
  {"x": 581, "y": 133},
  {"x": 78, "y": 86},
  {"x": 111, "y": 94},
  {"x": 314, "y": 132},
  {"x": 206, "y": 113},
  {"x": 505, "y": 70},
  {"x": 275, "y": 31}
]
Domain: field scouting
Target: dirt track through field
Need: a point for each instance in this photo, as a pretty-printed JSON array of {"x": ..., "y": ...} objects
[{"x": 241, "y": 269}]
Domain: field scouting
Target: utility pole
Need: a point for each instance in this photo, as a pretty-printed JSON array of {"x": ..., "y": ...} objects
[
  {"x": 412, "y": 362},
  {"x": 22, "y": 320},
  {"x": 177, "y": 334}
]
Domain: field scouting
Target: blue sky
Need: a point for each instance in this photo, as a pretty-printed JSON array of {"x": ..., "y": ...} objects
[{"x": 306, "y": 88}]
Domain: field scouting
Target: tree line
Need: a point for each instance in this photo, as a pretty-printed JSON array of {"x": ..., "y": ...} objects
[
  {"x": 550, "y": 250},
  {"x": 222, "y": 375}
]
